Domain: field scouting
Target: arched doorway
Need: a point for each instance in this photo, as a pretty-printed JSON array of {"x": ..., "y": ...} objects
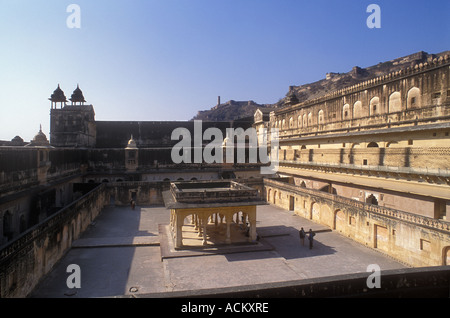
[
  {"x": 446, "y": 256},
  {"x": 371, "y": 199},
  {"x": 339, "y": 220},
  {"x": 315, "y": 212},
  {"x": 7, "y": 225},
  {"x": 395, "y": 102},
  {"x": 328, "y": 189},
  {"x": 413, "y": 98}
]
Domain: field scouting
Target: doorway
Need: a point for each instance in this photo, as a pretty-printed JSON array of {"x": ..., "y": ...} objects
[{"x": 291, "y": 203}]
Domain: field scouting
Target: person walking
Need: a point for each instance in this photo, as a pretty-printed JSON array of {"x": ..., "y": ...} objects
[
  {"x": 302, "y": 235},
  {"x": 311, "y": 235}
]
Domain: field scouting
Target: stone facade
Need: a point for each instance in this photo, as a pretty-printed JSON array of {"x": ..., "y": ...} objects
[
  {"x": 24, "y": 261},
  {"x": 371, "y": 161},
  {"x": 410, "y": 238}
]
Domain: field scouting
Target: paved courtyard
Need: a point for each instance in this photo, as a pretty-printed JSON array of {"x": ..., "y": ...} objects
[{"x": 120, "y": 254}]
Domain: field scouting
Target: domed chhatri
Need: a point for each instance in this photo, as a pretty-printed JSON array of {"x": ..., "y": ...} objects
[
  {"x": 131, "y": 143},
  {"x": 39, "y": 140},
  {"x": 17, "y": 140},
  {"x": 77, "y": 96},
  {"x": 58, "y": 97}
]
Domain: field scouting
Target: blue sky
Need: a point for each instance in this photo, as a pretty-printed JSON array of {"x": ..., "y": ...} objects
[{"x": 168, "y": 59}]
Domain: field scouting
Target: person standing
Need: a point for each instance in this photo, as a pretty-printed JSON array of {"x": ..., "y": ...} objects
[
  {"x": 302, "y": 235},
  {"x": 311, "y": 235}
]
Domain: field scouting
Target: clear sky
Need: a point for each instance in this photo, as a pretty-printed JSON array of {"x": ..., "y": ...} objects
[{"x": 149, "y": 60}]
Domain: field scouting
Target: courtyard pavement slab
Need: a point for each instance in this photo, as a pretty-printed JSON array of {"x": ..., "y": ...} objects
[{"x": 120, "y": 254}]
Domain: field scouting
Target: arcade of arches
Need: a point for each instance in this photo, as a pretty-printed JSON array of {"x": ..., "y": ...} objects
[
  {"x": 213, "y": 225},
  {"x": 368, "y": 223}
]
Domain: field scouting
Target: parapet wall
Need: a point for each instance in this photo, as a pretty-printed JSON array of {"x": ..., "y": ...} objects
[
  {"x": 27, "y": 259},
  {"x": 425, "y": 282}
]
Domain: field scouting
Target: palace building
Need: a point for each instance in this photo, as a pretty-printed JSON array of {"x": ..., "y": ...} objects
[
  {"x": 369, "y": 158},
  {"x": 372, "y": 160}
]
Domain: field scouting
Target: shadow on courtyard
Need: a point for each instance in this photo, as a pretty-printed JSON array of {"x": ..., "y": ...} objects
[{"x": 285, "y": 242}]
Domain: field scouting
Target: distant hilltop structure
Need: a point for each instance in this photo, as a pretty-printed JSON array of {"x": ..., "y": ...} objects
[
  {"x": 332, "y": 82},
  {"x": 231, "y": 110}
]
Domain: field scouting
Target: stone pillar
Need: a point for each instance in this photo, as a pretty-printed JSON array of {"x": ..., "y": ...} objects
[
  {"x": 228, "y": 234},
  {"x": 252, "y": 221},
  {"x": 205, "y": 222},
  {"x": 179, "y": 232},
  {"x": 244, "y": 220},
  {"x": 200, "y": 226},
  {"x": 172, "y": 220}
]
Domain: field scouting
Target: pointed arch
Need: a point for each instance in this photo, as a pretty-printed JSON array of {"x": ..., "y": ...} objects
[
  {"x": 395, "y": 102},
  {"x": 374, "y": 106},
  {"x": 357, "y": 109},
  {"x": 446, "y": 256},
  {"x": 413, "y": 99},
  {"x": 320, "y": 117},
  {"x": 371, "y": 199},
  {"x": 346, "y": 112}
]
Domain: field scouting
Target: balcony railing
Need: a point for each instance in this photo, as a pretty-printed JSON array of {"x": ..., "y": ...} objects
[
  {"x": 415, "y": 219},
  {"x": 370, "y": 169},
  {"x": 415, "y": 116}
]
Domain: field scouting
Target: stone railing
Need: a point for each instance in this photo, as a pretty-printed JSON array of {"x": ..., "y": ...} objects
[
  {"x": 31, "y": 255},
  {"x": 416, "y": 219},
  {"x": 380, "y": 121},
  {"x": 29, "y": 236},
  {"x": 370, "y": 169},
  {"x": 212, "y": 191}
]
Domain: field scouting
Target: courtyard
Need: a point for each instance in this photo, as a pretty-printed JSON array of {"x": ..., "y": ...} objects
[{"x": 125, "y": 252}]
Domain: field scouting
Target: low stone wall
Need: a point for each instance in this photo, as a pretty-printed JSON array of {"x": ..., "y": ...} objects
[
  {"x": 150, "y": 193},
  {"x": 24, "y": 261},
  {"x": 425, "y": 282},
  {"x": 142, "y": 192}
]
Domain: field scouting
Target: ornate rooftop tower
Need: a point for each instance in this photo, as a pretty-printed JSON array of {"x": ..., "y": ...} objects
[
  {"x": 72, "y": 125},
  {"x": 58, "y": 97},
  {"x": 77, "y": 96}
]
